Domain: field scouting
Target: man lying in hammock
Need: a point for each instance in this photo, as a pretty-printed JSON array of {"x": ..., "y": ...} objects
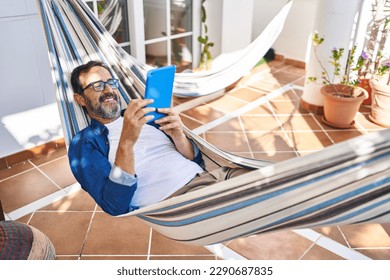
[{"x": 123, "y": 162}]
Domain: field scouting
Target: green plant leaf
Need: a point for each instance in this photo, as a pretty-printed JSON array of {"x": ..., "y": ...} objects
[
  {"x": 202, "y": 40},
  {"x": 203, "y": 13}
]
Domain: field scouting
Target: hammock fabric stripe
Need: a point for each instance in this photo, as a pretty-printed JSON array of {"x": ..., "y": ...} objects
[
  {"x": 346, "y": 183},
  {"x": 354, "y": 191}
]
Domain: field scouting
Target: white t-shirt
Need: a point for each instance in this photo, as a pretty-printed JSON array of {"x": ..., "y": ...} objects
[{"x": 160, "y": 168}]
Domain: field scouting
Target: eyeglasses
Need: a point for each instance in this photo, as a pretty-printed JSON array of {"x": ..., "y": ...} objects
[{"x": 100, "y": 85}]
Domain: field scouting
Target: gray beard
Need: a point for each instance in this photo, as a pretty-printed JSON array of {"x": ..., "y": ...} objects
[{"x": 105, "y": 112}]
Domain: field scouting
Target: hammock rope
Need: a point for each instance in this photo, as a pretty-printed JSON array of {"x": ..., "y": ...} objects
[{"x": 346, "y": 183}]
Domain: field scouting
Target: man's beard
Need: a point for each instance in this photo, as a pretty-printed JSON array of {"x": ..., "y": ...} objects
[{"x": 105, "y": 111}]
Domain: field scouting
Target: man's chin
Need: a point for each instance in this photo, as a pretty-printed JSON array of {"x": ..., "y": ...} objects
[{"x": 110, "y": 113}]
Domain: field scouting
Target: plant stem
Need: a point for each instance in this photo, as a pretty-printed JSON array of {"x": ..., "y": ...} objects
[{"x": 327, "y": 78}]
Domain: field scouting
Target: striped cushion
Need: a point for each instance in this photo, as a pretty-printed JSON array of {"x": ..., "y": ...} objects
[{"x": 23, "y": 242}]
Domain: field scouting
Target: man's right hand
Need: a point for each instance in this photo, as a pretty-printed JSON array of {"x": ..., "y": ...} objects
[{"x": 134, "y": 119}]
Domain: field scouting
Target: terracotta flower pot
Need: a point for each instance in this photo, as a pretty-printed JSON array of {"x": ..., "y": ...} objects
[
  {"x": 380, "y": 107},
  {"x": 365, "y": 83},
  {"x": 340, "y": 108}
]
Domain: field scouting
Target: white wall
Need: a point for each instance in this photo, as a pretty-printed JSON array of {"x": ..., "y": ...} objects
[
  {"x": 236, "y": 29},
  {"x": 232, "y": 35},
  {"x": 28, "y": 114},
  {"x": 294, "y": 40}
]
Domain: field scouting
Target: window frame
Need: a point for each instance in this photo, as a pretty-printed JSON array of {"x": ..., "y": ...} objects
[{"x": 137, "y": 43}]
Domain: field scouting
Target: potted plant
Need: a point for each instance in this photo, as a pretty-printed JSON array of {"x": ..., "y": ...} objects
[
  {"x": 378, "y": 32},
  {"x": 380, "y": 106},
  {"x": 342, "y": 96},
  {"x": 375, "y": 68}
]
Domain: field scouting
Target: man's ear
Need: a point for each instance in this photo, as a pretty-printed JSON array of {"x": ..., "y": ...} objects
[{"x": 79, "y": 99}]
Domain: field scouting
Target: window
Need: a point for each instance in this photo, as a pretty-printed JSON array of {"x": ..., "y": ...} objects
[
  {"x": 156, "y": 32},
  {"x": 168, "y": 33}
]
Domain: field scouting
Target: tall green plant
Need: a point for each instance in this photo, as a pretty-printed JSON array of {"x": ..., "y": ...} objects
[{"x": 205, "y": 55}]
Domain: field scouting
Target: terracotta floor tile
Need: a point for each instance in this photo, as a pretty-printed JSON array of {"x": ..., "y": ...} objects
[
  {"x": 274, "y": 156},
  {"x": 300, "y": 82},
  {"x": 180, "y": 100},
  {"x": 289, "y": 95},
  {"x": 287, "y": 107},
  {"x": 66, "y": 230},
  {"x": 333, "y": 233},
  {"x": 162, "y": 245},
  {"x": 246, "y": 94},
  {"x": 299, "y": 122},
  {"x": 59, "y": 171},
  {"x": 299, "y": 92},
  {"x": 78, "y": 201},
  {"x": 260, "y": 123},
  {"x": 261, "y": 67},
  {"x": 116, "y": 236},
  {"x": 340, "y": 136},
  {"x": 283, "y": 245},
  {"x": 263, "y": 109},
  {"x": 386, "y": 227},
  {"x": 269, "y": 141},
  {"x": 190, "y": 123},
  {"x": 361, "y": 236},
  {"x": 376, "y": 254},
  {"x": 255, "y": 78},
  {"x": 356, "y": 126},
  {"x": 67, "y": 258},
  {"x": 25, "y": 188},
  {"x": 318, "y": 253},
  {"x": 230, "y": 125},
  {"x": 203, "y": 113},
  {"x": 231, "y": 142},
  {"x": 268, "y": 85},
  {"x": 309, "y": 140},
  {"x": 286, "y": 75},
  {"x": 295, "y": 70},
  {"x": 15, "y": 169},
  {"x": 276, "y": 64},
  {"x": 227, "y": 104},
  {"x": 25, "y": 219},
  {"x": 244, "y": 154}
]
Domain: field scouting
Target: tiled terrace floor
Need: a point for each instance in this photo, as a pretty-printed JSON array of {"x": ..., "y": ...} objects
[{"x": 43, "y": 193}]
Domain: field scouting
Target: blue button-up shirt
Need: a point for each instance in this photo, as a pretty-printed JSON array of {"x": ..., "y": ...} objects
[{"x": 88, "y": 158}]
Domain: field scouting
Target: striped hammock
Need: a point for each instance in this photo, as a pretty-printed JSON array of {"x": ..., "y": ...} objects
[{"x": 343, "y": 184}]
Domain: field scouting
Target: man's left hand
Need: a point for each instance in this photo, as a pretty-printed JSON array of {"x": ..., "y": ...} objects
[{"x": 171, "y": 124}]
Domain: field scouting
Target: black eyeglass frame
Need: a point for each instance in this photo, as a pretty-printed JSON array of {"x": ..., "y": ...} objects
[{"x": 113, "y": 83}]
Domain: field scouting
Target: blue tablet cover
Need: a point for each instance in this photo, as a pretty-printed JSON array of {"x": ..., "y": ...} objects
[{"x": 159, "y": 86}]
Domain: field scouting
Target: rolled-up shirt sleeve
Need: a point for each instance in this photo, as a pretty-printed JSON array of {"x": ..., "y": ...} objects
[
  {"x": 119, "y": 176},
  {"x": 198, "y": 155}
]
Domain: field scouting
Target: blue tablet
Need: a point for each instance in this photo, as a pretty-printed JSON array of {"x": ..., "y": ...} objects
[{"x": 159, "y": 86}]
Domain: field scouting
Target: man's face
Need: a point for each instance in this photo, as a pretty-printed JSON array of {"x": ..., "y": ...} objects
[{"x": 103, "y": 106}]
